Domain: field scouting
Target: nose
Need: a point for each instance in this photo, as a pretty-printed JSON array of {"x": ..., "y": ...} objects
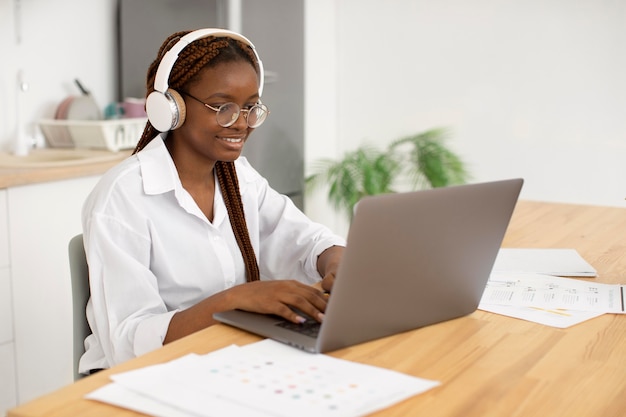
[{"x": 242, "y": 121}]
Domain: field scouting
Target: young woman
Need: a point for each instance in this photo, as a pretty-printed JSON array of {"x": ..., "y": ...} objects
[{"x": 186, "y": 227}]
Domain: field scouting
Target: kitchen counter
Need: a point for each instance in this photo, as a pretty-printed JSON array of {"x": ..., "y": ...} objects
[{"x": 23, "y": 175}]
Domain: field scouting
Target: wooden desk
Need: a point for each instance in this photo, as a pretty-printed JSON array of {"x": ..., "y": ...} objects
[{"x": 489, "y": 365}]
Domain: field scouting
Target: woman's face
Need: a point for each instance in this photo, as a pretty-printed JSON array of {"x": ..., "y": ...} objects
[{"x": 201, "y": 137}]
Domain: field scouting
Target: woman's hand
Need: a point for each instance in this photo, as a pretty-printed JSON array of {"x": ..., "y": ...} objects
[
  {"x": 279, "y": 297},
  {"x": 267, "y": 297},
  {"x": 328, "y": 264}
]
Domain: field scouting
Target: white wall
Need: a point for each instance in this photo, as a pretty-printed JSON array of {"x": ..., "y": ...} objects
[
  {"x": 321, "y": 120},
  {"x": 528, "y": 88},
  {"x": 52, "y": 42}
]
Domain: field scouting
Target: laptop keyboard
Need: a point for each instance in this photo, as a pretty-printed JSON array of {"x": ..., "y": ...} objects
[{"x": 309, "y": 327}]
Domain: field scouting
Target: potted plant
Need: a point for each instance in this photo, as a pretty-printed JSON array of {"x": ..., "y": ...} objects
[{"x": 413, "y": 162}]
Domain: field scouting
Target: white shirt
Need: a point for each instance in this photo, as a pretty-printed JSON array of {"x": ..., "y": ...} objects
[{"x": 152, "y": 252}]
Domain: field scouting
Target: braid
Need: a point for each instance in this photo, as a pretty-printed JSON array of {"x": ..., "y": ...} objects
[
  {"x": 227, "y": 178},
  {"x": 196, "y": 56}
]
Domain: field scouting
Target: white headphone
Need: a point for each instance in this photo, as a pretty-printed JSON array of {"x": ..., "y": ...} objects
[{"x": 165, "y": 107}]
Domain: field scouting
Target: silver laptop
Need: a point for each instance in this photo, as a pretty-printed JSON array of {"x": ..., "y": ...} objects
[{"x": 412, "y": 259}]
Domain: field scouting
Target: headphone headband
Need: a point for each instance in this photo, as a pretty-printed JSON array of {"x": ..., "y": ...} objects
[{"x": 161, "y": 79}]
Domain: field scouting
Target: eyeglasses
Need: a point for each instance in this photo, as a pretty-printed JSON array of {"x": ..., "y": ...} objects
[{"x": 228, "y": 113}]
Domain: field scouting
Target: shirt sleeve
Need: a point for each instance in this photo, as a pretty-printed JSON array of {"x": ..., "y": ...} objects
[
  {"x": 289, "y": 243},
  {"x": 129, "y": 316}
]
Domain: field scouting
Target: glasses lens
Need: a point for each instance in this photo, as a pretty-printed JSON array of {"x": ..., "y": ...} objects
[
  {"x": 257, "y": 115},
  {"x": 228, "y": 114}
]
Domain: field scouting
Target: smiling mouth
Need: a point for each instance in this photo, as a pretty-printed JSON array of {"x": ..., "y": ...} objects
[{"x": 232, "y": 140}]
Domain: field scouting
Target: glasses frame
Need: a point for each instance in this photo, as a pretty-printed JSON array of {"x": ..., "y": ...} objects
[{"x": 246, "y": 112}]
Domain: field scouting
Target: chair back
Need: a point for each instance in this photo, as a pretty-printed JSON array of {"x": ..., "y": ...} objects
[{"x": 80, "y": 295}]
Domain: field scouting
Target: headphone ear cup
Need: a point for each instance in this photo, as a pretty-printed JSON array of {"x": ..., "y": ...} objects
[
  {"x": 179, "y": 104},
  {"x": 166, "y": 111}
]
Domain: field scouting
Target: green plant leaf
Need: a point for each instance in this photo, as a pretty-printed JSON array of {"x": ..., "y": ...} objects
[{"x": 422, "y": 159}]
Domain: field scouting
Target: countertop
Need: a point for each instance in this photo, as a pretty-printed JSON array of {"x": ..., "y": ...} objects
[{"x": 11, "y": 176}]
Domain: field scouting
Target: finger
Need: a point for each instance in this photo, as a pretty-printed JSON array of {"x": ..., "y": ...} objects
[
  {"x": 327, "y": 282},
  {"x": 315, "y": 294},
  {"x": 279, "y": 297},
  {"x": 290, "y": 314},
  {"x": 306, "y": 300},
  {"x": 313, "y": 307}
]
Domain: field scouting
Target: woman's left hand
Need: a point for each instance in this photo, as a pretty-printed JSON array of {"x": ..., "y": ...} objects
[{"x": 328, "y": 264}]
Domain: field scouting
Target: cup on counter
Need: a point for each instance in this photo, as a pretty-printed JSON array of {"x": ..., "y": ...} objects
[
  {"x": 134, "y": 107},
  {"x": 113, "y": 111}
]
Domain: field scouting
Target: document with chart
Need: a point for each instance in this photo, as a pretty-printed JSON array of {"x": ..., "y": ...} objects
[{"x": 547, "y": 291}]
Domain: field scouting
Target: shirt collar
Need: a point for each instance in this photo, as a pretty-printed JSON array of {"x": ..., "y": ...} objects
[
  {"x": 157, "y": 179},
  {"x": 160, "y": 176},
  {"x": 157, "y": 167}
]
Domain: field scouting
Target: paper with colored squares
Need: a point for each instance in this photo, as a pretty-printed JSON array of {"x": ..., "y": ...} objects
[{"x": 265, "y": 379}]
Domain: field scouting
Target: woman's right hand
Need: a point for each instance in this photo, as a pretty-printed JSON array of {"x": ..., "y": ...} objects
[
  {"x": 279, "y": 297},
  {"x": 267, "y": 297}
]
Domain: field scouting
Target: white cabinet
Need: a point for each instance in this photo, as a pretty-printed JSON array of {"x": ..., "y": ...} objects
[
  {"x": 4, "y": 230},
  {"x": 8, "y": 394},
  {"x": 6, "y": 307},
  {"x": 43, "y": 218},
  {"x": 6, "y": 310}
]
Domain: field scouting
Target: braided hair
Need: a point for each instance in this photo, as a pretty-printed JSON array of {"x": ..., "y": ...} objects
[{"x": 200, "y": 54}]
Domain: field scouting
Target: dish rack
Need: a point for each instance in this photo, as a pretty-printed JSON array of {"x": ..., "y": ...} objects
[{"x": 114, "y": 135}]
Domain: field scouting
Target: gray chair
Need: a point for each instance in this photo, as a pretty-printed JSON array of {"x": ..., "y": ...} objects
[{"x": 80, "y": 295}]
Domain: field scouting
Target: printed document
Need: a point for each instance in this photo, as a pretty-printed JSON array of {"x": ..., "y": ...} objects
[
  {"x": 546, "y": 291},
  {"x": 549, "y": 300},
  {"x": 559, "y": 262},
  {"x": 262, "y": 379}
]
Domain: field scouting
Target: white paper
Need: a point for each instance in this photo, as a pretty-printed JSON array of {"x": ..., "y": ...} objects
[
  {"x": 264, "y": 380},
  {"x": 550, "y": 292},
  {"x": 120, "y": 396},
  {"x": 554, "y": 318},
  {"x": 559, "y": 262}
]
